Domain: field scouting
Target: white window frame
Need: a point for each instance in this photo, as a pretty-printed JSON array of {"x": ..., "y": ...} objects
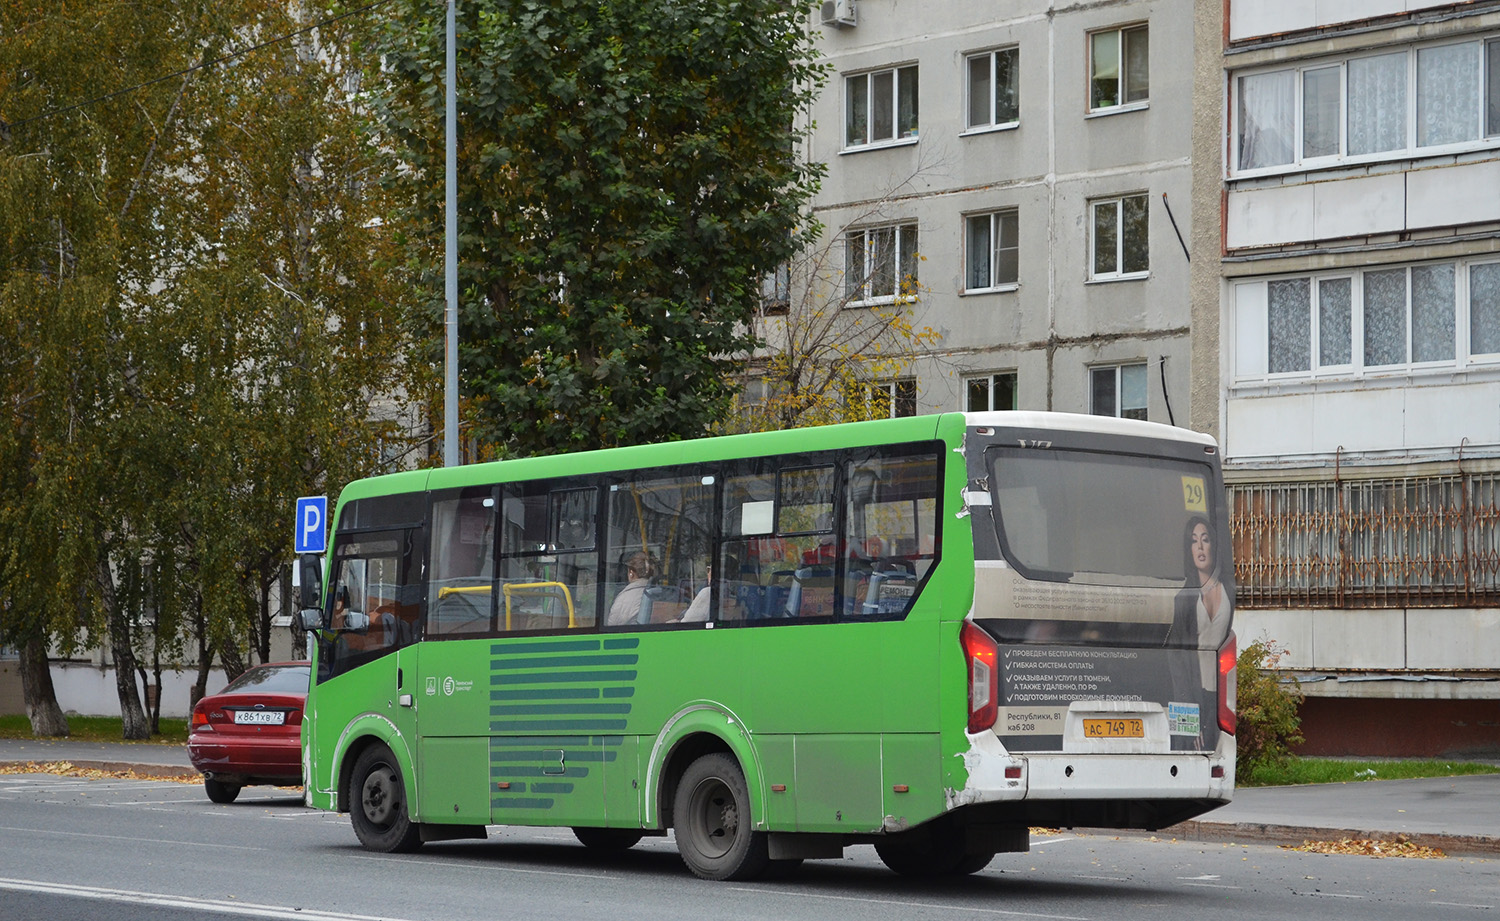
[
  {"x": 1119, "y": 105},
  {"x": 1119, "y": 408},
  {"x": 989, "y": 381},
  {"x": 992, "y": 123},
  {"x": 1118, "y": 274},
  {"x": 905, "y": 252},
  {"x": 1250, "y": 306},
  {"x": 868, "y": 80},
  {"x": 1411, "y": 150},
  {"x": 891, "y": 389},
  {"x": 996, "y": 225}
]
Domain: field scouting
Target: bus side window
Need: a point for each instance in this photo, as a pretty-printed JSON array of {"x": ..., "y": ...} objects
[
  {"x": 460, "y": 592},
  {"x": 891, "y": 521}
]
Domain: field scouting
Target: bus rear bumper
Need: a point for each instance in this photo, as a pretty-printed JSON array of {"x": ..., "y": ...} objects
[{"x": 1094, "y": 789}]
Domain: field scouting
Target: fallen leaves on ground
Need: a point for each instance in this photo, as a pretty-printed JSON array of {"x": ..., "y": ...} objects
[
  {"x": 1402, "y": 846},
  {"x": 68, "y": 769}
]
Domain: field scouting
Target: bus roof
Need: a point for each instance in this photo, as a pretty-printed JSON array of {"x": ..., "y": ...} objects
[{"x": 1079, "y": 422}]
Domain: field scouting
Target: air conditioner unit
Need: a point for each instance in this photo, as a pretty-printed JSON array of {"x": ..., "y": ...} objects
[{"x": 839, "y": 13}]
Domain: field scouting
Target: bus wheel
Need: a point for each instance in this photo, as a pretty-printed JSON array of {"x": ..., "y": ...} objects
[
  {"x": 711, "y": 815},
  {"x": 378, "y": 810},
  {"x": 929, "y": 856},
  {"x": 607, "y": 839},
  {"x": 220, "y": 792}
]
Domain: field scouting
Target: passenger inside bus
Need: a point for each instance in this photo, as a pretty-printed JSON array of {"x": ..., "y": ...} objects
[{"x": 626, "y": 607}]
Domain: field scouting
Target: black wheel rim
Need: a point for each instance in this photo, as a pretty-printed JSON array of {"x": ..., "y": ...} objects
[
  {"x": 380, "y": 795},
  {"x": 714, "y": 818}
]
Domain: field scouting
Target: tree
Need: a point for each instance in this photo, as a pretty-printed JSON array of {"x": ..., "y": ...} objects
[
  {"x": 628, "y": 174},
  {"x": 196, "y": 284},
  {"x": 825, "y": 342},
  {"x": 1269, "y": 727}
]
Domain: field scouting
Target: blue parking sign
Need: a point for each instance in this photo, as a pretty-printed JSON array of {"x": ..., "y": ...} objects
[{"x": 312, "y": 525}]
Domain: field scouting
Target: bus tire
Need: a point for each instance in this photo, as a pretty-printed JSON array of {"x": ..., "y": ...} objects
[
  {"x": 219, "y": 791},
  {"x": 712, "y": 821},
  {"x": 607, "y": 839},
  {"x": 929, "y": 856},
  {"x": 378, "y": 807}
]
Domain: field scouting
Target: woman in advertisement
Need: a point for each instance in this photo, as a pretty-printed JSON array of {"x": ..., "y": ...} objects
[{"x": 1200, "y": 615}]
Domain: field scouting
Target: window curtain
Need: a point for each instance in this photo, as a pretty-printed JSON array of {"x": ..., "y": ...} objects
[
  {"x": 1447, "y": 94},
  {"x": 1267, "y": 113},
  {"x": 1377, "y": 103},
  {"x": 1484, "y": 309},
  {"x": 1289, "y": 325}
]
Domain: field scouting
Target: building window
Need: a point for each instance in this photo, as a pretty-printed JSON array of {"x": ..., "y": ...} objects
[
  {"x": 776, "y": 290},
  {"x": 1380, "y": 106},
  {"x": 894, "y": 399},
  {"x": 880, "y": 263},
  {"x": 991, "y": 250},
  {"x": 881, "y": 107},
  {"x": 1120, "y": 238},
  {"x": 1119, "y": 67},
  {"x": 1438, "y": 316},
  {"x": 994, "y": 89},
  {"x": 991, "y": 392},
  {"x": 1118, "y": 390}
]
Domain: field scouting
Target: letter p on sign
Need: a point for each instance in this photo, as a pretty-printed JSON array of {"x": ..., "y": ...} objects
[{"x": 312, "y": 528}]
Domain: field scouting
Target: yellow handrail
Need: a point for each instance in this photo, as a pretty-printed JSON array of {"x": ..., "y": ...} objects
[{"x": 542, "y": 589}]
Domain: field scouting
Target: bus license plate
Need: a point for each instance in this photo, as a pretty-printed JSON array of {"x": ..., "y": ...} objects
[
  {"x": 259, "y": 717},
  {"x": 1114, "y": 729}
]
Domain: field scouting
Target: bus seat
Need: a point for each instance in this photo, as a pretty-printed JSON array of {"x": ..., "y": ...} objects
[
  {"x": 812, "y": 586},
  {"x": 888, "y": 592}
]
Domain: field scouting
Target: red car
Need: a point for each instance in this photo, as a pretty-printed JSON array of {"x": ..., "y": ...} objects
[{"x": 251, "y": 732}]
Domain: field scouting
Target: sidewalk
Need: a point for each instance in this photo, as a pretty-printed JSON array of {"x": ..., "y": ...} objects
[{"x": 1460, "y": 815}]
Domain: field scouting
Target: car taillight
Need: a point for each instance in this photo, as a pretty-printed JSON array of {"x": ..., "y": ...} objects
[
  {"x": 984, "y": 676},
  {"x": 200, "y": 720},
  {"x": 1228, "y": 686}
]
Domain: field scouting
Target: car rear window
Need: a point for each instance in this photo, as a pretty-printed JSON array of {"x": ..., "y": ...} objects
[{"x": 280, "y": 679}]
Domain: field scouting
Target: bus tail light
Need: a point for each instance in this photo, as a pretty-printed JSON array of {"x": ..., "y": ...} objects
[
  {"x": 984, "y": 677},
  {"x": 1228, "y": 686}
]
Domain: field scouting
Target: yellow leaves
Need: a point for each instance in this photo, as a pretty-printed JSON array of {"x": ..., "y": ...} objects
[{"x": 1402, "y": 846}]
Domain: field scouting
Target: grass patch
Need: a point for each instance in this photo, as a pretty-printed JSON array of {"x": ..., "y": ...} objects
[
  {"x": 1338, "y": 770},
  {"x": 96, "y": 729}
]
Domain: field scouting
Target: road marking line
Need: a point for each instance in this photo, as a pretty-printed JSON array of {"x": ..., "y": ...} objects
[
  {"x": 1054, "y": 841},
  {"x": 482, "y": 866},
  {"x": 81, "y": 834},
  {"x": 186, "y": 902},
  {"x": 845, "y": 898},
  {"x": 1213, "y": 886},
  {"x": 1463, "y": 905}
]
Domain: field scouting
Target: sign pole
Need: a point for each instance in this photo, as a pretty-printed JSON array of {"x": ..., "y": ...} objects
[{"x": 450, "y": 251}]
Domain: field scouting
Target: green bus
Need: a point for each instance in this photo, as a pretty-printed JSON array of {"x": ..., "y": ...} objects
[{"x": 925, "y": 634}]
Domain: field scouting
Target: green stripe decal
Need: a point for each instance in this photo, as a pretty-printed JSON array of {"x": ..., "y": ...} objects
[
  {"x": 519, "y": 802},
  {"x": 563, "y": 709},
  {"x": 563, "y": 661},
  {"x": 551, "y": 788},
  {"x": 608, "y": 692},
  {"x": 499, "y": 649},
  {"x": 626, "y": 643},
  {"x": 501, "y": 772},
  {"x": 591, "y": 757},
  {"x": 564, "y": 677},
  {"x": 557, "y": 694},
  {"x": 562, "y": 725}
]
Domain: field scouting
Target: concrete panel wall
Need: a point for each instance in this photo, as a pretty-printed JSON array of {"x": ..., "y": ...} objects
[
  {"x": 1397, "y": 640},
  {"x": 1391, "y": 418},
  {"x": 1257, "y": 18},
  {"x": 1332, "y": 209}
]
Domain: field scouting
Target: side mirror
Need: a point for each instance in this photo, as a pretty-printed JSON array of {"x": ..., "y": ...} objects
[
  {"x": 310, "y": 579},
  {"x": 309, "y": 619},
  {"x": 356, "y": 622}
]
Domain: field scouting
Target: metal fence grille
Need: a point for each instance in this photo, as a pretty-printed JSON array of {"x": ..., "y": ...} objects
[{"x": 1409, "y": 541}]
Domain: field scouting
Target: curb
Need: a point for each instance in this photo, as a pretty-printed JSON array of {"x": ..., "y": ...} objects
[
  {"x": 145, "y": 770},
  {"x": 1266, "y": 833}
]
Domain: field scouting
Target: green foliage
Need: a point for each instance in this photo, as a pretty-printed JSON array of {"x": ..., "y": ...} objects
[
  {"x": 1267, "y": 708},
  {"x": 197, "y": 310},
  {"x": 628, "y": 175},
  {"x": 1295, "y": 770},
  {"x": 96, "y": 729}
]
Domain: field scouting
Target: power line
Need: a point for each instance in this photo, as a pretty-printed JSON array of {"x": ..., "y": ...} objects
[{"x": 6, "y": 128}]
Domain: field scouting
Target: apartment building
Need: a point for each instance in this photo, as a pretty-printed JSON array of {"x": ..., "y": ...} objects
[
  {"x": 1029, "y": 165},
  {"x": 1346, "y": 309}
]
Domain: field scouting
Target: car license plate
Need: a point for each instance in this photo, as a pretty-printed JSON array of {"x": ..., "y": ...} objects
[
  {"x": 259, "y": 717},
  {"x": 1114, "y": 729}
]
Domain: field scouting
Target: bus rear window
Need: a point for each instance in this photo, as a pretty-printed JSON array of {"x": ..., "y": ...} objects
[{"x": 1091, "y": 517}]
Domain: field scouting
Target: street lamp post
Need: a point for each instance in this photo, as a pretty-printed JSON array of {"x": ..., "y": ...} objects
[{"x": 450, "y": 251}]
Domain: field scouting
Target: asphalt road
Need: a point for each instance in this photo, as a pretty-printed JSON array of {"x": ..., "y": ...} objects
[{"x": 72, "y": 848}]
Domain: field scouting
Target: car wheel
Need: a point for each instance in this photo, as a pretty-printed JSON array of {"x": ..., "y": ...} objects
[
  {"x": 220, "y": 792},
  {"x": 378, "y": 804},
  {"x": 607, "y": 839},
  {"x": 711, "y": 815}
]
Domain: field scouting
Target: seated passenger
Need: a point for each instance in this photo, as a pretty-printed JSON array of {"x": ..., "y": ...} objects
[
  {"x": 627, "y": 605},
  {"x": 697, "y": 612}
]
